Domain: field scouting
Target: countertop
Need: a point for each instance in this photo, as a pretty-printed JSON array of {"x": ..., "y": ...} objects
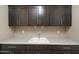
[{"x": 26, "y": 41}]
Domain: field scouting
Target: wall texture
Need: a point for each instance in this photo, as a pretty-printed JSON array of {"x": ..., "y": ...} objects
[
  {"x": 5, "y": 31},
  {"x": 73, "y": 31}
]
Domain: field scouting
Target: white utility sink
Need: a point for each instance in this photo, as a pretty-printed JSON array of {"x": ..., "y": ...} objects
[{"x": 37, "y": 40}]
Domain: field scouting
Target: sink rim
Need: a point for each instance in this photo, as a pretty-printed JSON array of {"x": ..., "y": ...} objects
[{"x": 38, "y": 40}]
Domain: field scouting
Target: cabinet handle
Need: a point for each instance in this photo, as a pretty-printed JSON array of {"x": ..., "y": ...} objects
[
  {"x": 37, "y": 20},
  {"x": 61, "y": 21},
  {"x": 11, "y": 52},
  {"x": 17, "y": 21}
]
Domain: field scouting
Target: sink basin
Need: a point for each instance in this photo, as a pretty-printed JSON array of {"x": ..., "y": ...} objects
[{"x": 37, "y": 40}]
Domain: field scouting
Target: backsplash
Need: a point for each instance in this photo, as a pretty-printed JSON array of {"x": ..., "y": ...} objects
[{"x": 50, "y": 32}]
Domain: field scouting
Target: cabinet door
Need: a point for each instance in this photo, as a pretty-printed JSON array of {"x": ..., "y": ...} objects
[
  {"x": 38, "y": 49},
  {"x": 12, "y": 49},
  {"x": 13, "y": 16},
  {"x": 52, "y": 13},
  {"x": 68, "y": 15},
  {"x": 32, "y": 15},
  {"x": 64, "y": 15},
  {"x": 43, "y": 17},
  {"x": 38, "y": 15},
  {"x": 23, "y": 16},
  {"x": 59, "y": 15}
]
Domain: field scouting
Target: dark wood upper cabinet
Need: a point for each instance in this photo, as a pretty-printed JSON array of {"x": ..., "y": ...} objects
[
  {"x": 32, "y": 15},
  {"x": 18, "y": 16},
  {"x": 43, "y": 17},
  {"x": 23, "y": 16},
  {"x": 37, "y": 15},
  {"x": 68, "y": 15},
  {"x": 65, "y": 15},
  {"x": 52, "y": 15},
  {"x": 60, "y": 15},
  {"x": 13, "y": 16}
]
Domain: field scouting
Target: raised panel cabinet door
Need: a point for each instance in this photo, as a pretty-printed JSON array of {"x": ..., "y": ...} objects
[
  {"x": 32, "y": 15},
  {"x": 13, "y": 16},
  {"x": 23, "y": 16},
  {"x": 43, "y": 17}
]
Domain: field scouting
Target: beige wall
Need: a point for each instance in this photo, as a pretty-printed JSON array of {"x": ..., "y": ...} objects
[
  {"x": 73, "y": 31},
  {"x": 5, "y": 31}
]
